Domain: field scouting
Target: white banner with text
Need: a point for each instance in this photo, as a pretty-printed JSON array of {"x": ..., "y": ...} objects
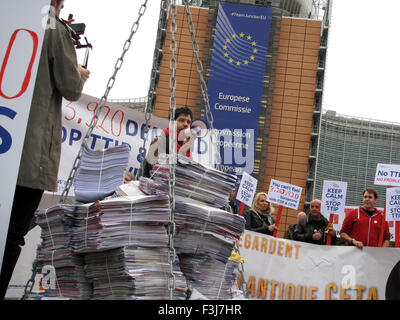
[{"x": 280, "y": 269}]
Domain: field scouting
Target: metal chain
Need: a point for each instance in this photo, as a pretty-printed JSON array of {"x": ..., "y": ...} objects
[
  {"x": 203, "y": 85},
  {"x": 172, "y": 147},
  {"x": 209, "y": 116},
  {"x": 102, "y": 102},
  {"x": 152, "y": 88}
]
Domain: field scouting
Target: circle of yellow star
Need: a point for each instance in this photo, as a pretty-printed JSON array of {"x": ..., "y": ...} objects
[{"x": 231, "y": 58}]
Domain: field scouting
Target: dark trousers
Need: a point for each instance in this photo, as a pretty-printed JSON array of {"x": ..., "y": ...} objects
[{"x": 26, "y": 201}]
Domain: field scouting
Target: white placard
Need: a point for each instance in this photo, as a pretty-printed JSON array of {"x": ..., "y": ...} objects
[
  {"x": 284, "y": 194},
  {"x": 247, "y": 189},
  {"x": 333, "y": 197},
  {"x": 393, "y": 204},
  {"x": 21, "y": 40},
  {"x": 387, "y": 174}
]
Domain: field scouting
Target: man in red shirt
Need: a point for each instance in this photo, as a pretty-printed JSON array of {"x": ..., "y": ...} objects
[
  {"x": 363, "y": 226},
  {"x": 183, "y": 119}
]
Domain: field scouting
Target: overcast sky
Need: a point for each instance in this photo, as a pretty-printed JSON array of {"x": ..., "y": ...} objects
[{"x": 362, "y": 70}]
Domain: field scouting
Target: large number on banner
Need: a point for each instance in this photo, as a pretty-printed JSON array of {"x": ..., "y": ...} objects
[
  {"x": 5, "y": 137},
  {"x": 27, "y": 77}
]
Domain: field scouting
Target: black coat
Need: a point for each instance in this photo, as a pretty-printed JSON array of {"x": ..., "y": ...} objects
[
  {"x": 258, "y": 222},
  {"x": 305, "y": 229}
]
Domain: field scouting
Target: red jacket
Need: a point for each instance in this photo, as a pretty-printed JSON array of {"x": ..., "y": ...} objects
[{"x": 358, "y": 225}]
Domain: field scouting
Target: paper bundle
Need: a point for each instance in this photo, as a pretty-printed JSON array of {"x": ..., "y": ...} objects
[
  {"x": 193, "y": 180},
  {"x": 204, "y": 242},
  {"x": 133, "y": 273},
  {"x": 121, "y": 221},
  {"x": 212, "y": 278},
  {"x": 67, "y": 280}
]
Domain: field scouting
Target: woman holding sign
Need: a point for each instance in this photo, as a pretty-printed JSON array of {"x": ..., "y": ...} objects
[{"x": 258, "y": 217}]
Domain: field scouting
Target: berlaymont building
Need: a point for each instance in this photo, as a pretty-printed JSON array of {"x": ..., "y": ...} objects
[
  {"x": 296, "y": 141},
  {"x": 349, "y": 149}
]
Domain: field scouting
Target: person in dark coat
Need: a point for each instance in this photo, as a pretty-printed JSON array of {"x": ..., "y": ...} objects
[
  {"x": 315, "y": 227},
  {"x": 290, "y": 231},
  {"x": 258, "y": 217}
]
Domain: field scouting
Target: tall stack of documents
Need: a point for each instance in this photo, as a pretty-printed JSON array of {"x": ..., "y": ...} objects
[
  {"x": 212, "y": 278},
  {"x": 133, "y": 273},
  {"x": 193, "y": 181},
  {"x": 66, "y": 278},
  {"x": 121, "y": 221},
  {"x": 110, "y": 249},
  {"x": 100, "y": 172},
  {"x": 204, "y": 242}
]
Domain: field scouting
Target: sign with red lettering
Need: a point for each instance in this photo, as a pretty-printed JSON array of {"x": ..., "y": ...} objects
[
  {"x": 21, "y": 40},
  {"x": 333, "y": 197},
  {"x": 387, "y": 174},
  {"x": 284, "y": 194}
]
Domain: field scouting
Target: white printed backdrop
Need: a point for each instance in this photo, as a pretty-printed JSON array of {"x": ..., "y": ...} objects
[
  {"x": 116, "y": 125},
  {"x": 277, "y": 269}
]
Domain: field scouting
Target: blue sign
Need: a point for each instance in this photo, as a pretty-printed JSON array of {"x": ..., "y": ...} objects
[{"x": 236, "y": 81}]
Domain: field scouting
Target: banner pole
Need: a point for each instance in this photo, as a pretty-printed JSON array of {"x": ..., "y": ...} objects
[
  {"x": 328, "y": 239},
  {"x": 278, "y": 219},
  {"x": 241, "y": 207},
  {"x": 383, "y": 225}
]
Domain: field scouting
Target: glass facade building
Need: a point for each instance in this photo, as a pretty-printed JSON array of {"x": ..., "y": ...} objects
[{"x": 350, "y": 149}]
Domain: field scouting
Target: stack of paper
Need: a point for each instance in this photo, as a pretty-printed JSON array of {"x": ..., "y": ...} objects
[
  {"x": 67, "y": 279},
  {"x": 100, "y": 172},
  {"x": 193, "y": 181},
  {"x": 148, "y": 186},
  {"x": 121, "y": 221},
  {"x": 207, "y": 230},
  {"x": 204, "y": 242},
  {"x": 110, "y": 249},
  {"x": 212, "y": 278},
  {"x": 106, "y": 270},
  {"x": 131, "y": 272},
  {"x": 55, "y": 224},
  {"x": 152, "y": 273}
]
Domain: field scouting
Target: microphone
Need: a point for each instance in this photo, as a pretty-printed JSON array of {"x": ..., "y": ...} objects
[{"x": 198, "y": 129}]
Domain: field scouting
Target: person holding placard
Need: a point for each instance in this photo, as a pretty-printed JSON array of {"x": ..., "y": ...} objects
[
  {"x": 258, "y": 217},
  {"x": 231, "y": 206},
  {"x": 59, "y": 75},
  {"x": 363, "y": 226},
  {"x": 315, "y": 227}
]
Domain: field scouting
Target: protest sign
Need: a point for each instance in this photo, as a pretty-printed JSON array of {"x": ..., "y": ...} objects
[
  {"x": 333, "y": 201},
  {"x": 387, "y": 174},
  {"x": 284, "y": 194},
  {"x": 247, "y": 189}
]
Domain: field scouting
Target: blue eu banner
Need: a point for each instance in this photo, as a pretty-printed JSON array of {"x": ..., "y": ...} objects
[{"x": 236, "y": 81}]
